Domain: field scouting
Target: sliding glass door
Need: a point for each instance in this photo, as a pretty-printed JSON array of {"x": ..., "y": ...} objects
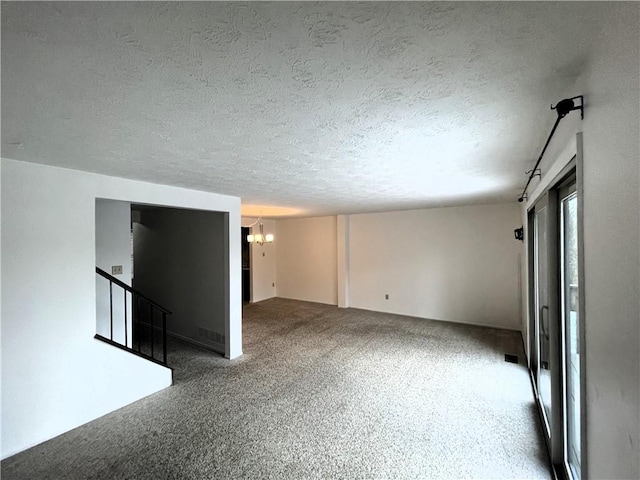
[
  {"x": 555, "y": 321},
  {"x": 571, "y": 327},
  {"x": 541, "y": 329}
]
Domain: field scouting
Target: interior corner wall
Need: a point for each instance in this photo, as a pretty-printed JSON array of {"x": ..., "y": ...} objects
[
  {"x": 306, "y": 259},
  {"x": 179, "y": 258},
  {"x": 55, "y": 375},
  {"x": 263, "y": 262},
  {"x": 457, "y": 264}
]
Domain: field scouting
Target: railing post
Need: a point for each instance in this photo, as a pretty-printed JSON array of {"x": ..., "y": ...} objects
[
  {"x": 126, "y": 344},
  {"x": 138, "y": 318},
  {"x": 151, "y": 323},
  {"x": 111, "y": 309},
  {"x": 135, "y": 318},
  {"x": 164, "y": 337}
]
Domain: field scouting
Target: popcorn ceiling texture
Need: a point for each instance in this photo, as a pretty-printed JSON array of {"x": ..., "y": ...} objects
[{"x": 327, "y": 108}]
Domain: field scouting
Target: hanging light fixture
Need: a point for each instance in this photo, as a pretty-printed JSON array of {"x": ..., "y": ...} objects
[{"x": 260, "y": 238}]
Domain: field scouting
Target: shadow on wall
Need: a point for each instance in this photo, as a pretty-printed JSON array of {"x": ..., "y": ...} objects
[{"x": 181, "y": 260}]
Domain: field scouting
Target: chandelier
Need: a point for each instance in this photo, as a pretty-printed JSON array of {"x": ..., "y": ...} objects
[{"x": 260, "y": 238}]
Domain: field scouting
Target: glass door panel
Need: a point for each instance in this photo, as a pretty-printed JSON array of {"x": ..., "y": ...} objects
[
  {"x": 554, "y": 313},
  {"x": 543, "y": 374},
  {"x": 570, "y": 318}
]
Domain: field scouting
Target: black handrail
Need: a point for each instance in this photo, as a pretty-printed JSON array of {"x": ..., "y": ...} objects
[{"x": 136, "y": 297}]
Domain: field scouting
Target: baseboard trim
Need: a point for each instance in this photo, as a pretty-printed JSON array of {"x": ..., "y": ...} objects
[
  {"x": 462, "y": 322},
  {"x": 334, "y": 304},
  {"x": 218, "y": 348}
]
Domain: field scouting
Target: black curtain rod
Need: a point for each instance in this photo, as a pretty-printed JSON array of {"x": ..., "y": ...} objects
[{"x": 563, "y": 107}]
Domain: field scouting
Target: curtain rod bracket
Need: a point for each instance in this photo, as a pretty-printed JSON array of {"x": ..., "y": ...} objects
[{"x": 562, "y": 108}]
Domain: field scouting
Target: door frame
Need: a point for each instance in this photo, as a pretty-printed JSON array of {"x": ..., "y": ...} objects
[{"x": 570, "y": 161}]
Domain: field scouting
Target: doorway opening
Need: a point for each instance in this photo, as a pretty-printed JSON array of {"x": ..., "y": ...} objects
[{"x": 246, "y": 265}]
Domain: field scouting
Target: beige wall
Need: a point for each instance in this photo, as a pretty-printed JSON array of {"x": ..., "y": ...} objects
[
  {"x": 457, "y": 264},
  {"x": 306, "y": 259}
]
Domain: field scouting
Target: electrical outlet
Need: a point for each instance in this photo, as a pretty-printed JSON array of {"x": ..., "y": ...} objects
[
  {"x": 386, "y": 296},
  {"x": 116, "y": 270}
]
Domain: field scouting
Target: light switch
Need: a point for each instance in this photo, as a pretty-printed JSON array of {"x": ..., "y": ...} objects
[{"x": 116, "y": 270}]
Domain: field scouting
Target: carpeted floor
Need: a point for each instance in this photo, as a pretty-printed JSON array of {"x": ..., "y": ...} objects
[{"x": 320, "y": 392}]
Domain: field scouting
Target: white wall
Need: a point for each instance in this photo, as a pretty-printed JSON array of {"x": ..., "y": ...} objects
[
  {"x": 180, "y": 260},
  {"x": 306, "y": 259},
  {"x": 611, "y": 87},
  {"x": 55, "y": 375},
  {"x": 263, "y": 261},
  {"x": 457, "y": 264},
  {"x": 611, "y": 202},
  {"x": 113, "y": 247}
]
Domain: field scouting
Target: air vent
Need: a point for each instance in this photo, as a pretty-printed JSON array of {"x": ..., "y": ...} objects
[
  {"x": 510, "y": 358},
  {"x": 211, "y": 335}
]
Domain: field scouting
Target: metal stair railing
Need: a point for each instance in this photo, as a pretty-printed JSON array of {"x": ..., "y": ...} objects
[{"x": 145, "y": 348}]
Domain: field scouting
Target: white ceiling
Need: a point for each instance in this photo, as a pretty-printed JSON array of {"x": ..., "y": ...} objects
[{"x": 314, "y": 108}]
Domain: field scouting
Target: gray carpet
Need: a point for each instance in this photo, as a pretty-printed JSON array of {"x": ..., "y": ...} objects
[{"x": 320, "y": 392}]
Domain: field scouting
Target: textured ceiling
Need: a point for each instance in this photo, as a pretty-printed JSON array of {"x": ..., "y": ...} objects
[{"x": 312, "y": 108}]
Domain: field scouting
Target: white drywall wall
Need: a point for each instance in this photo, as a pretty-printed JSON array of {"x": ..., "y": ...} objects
[
  {"x": 611, "y": 86},
  {"x": 457, "y": 264},
  {"x": 55, "y": 375},
  {"x": 179, "y": 259},
  {"x": 263, "y": 261},
  {"x": 611, "y": 204},
  {"x": 113, "y": 247},
  {"x": 306, "y": 265}
]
